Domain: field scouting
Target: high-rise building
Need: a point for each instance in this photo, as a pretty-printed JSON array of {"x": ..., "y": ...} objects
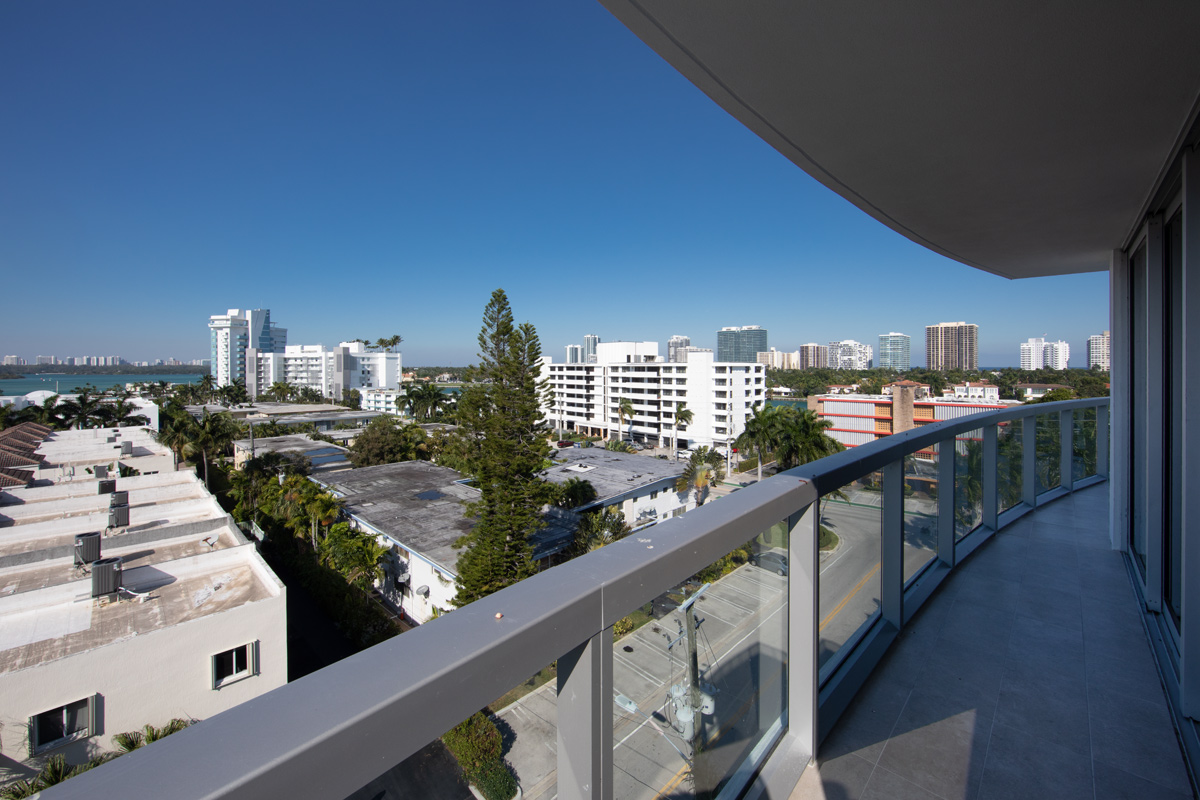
[
  {"x": 684, "y": 353},
  {"x": 849, "y": 354},
  {"x": 47, "y": 360},
  {"x": 778, "y": 359},
  {"x": 675, "y": 347},
  {"x": 237, "y": 331},
  {"x": 813, "y": 355},
  {"x": 1056, "y": 355},
  {"x": 742, "y": 344},
  {"x": 574, "y": 354},
  {"x": 13, "y": 361},
  {"x": 589, "y": 348},
  {"x": 952, "y": 345},
  {"x": 1033, "y": 354},
  {"x": 1099, "y": 351},
  {"x": 330, "y": 371},
  {"x": 895, "y": 351}
]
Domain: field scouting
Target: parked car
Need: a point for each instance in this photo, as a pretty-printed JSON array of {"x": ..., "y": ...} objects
[
  {"x": 771, "y": 561},
  {"x": 565, "y": 443}
]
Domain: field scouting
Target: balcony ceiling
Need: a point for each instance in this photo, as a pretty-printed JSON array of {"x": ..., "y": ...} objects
[{"x": 1024, "y": 139}]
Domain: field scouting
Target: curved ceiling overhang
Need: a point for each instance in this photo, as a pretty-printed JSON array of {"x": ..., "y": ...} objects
[{"x": 1023, "y": 139}]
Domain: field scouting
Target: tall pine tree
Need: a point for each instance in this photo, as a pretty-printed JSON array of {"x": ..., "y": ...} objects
[{"x": 503, "y": 420}]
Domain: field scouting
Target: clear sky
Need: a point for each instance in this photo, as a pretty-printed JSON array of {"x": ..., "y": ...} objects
[{"x": 368, "y": 169}]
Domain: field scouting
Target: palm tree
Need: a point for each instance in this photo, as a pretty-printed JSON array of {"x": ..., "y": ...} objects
[
  {"x": 207, "y": 384},
  {"x": 683, "y": 417},
  {"x": 802, "y": 439},
  {"x": 705, "y": 468},
  {"x": 394, "y": 341},
  {"x": 599, "y": 528},
  {"x": 82, "y": 411},
  {"x": 382, "y": 343},
  {"x": 761, "y": 434},
  {"x": 121, "y": 414},
  {"x": 281, "y": 391},
  {"x": 323, "y": 510},
  {"x": 213, "y": 433},
  {"x": 173, "y": 425},
  {"x": 625, "y": 409}
]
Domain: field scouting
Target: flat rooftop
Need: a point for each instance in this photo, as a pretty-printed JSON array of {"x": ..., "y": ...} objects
[
  {"x": 323, "y": 455},
  {"x": 424, "y": 508},
  {"x": 611, "y": 473},
  {"x": 182, "y": 558}
]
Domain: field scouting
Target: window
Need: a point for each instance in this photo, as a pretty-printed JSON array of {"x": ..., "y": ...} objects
[
  {"x": 654, "y": 495},
  {"x": 233, "y": 665},
  {"x": 63, "y": 724}
]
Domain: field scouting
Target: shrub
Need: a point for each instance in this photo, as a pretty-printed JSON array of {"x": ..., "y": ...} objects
[
  {"x": 495, "y": 781},
  {"x": 623, "y": 626},
  {"x": 475, "y": 742}
]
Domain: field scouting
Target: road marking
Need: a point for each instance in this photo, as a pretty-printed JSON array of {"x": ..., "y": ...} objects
[
  {"x": 838, "y": 608},
  {"x": 835, "y": 560},
  {"x": 637, "y": 669}
]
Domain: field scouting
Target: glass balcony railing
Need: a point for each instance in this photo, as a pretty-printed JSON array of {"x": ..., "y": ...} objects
[{"x": 689, "y": 659}]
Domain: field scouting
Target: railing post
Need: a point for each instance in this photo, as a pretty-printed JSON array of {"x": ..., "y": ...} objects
[
  {"x": 990, "y": 479},
  {"x": 1102, "y": 440},
  {"x": 804, "y": 646},
  {"x": 945, "y": 501},
  {"x": 1066, "y": 458},
  {"x": 1029, "y": 460},
  {"x": 891, "y": 572},
  {"x": 585, "y": 720}
]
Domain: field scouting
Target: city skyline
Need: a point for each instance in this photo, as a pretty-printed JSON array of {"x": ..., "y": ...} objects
[{"x": 203, "y": 181}]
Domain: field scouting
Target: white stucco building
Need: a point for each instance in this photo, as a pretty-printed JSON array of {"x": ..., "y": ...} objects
[
  {"x": 328, "y": 370},
  {"x": 850, "y": 354},
  {"x": 586, "y": 397},
  {"x": 195, "y": 624},
  {"x": 233, "y": 333}
]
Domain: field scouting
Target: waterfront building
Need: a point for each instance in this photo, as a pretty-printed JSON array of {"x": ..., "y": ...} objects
[
  {"x": 585, "y": 397},
  {"x": 895, "y": 351},
  {"x": 952, "y": 345},
  {"x": 813, "y": 355},
  {"x": 850, "y": 354},
  {"x": 1056, "y": 355},
  {"x": 233, "y": 333},
  {"x": 331, "y": 371},
  {"x": 1033, "y": 354},
  {"x": 574, "y": 354},
  {"x": 1099, "y": 351},
  {"x": 774, "y": 359},
  {"x": 741, "y": 344}
]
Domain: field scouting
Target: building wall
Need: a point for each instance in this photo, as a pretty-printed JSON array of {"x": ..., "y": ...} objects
[
  {"x": 741, "y": 344},
  {"x": 952, "y": 345},
  {"x": 1099, "y": 351},
  {"x": 895, "y": 351},
  {"x": 149, "y": 678},
  {"x": 328, "y": 370}
]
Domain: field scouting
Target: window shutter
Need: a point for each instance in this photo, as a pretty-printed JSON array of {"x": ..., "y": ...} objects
[
  {"x": 33, "y": 735},
  {"x": 212, "y": 669},
  {"x": 95, "y": 715},
  {"x": 253, "y": 653}
]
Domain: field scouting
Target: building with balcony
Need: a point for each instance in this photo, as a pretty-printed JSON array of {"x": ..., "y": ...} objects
[
  {"x": 676, "y": 347},
  {"x": 233, "y": 333},
  {"x": 586, "y": 397},
  {"x": 814, "y": 355},
  {"x": 849, "y": 354},
  {"x": 128, "y": 601},
  {"x": 775, "y": 359},
  {"x": 952, "y": 345},
  {"x": 858, "y": 419},
  {"x": 1029, "y": 629},
  {"x": 331, "y": 371},
  {"x": 1099, "y": 351}
]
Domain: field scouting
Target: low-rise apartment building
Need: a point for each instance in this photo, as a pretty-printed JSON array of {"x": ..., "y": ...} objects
[
  {"x": 640, "y": 487},
  {"x": 128, "y": 601},
  {"x": 586, "y": 397}
]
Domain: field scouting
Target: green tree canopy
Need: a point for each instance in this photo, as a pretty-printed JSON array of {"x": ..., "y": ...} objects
[{"x": 386, "y": 441}]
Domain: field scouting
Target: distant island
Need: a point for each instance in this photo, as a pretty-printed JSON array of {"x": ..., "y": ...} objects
[{"x": 27, "y": 370}]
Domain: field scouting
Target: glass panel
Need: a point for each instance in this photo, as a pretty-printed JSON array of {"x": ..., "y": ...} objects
[
  {"x": 1137, "y": 408},
  {"x": 1048, "y": 443},
  {"x": 700, "y": 686},
  {"x": 1009, "y": 464},
  {"x": 1083, "y": 463},
  {"x": 50, "y": 727},
  {"x": 968, "y": 483},
  {"x": 920, "y": 511},
  {"x": 526, "y": 720},
  {"x": 1173, "y": 418},
  {"x": 76, "y": 717},
  {"x": 852, "y": 546}
]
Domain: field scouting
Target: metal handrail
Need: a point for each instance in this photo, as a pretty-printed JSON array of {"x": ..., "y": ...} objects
[{"x": 332, "y": 731}]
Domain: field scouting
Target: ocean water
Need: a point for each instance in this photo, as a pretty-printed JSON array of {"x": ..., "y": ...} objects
[{"x": 63, "y": 384}]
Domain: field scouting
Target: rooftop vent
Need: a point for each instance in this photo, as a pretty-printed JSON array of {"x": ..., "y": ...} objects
[
  {"x": 106, "y": 577},
  {"x": 87, "y": 548}
]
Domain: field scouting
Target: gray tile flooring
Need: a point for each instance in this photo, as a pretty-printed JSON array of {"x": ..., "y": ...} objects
[{"x": 1027, "y": 675}]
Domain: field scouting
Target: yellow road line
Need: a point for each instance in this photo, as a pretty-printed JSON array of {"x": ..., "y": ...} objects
[{"x": 838, "y": 608}]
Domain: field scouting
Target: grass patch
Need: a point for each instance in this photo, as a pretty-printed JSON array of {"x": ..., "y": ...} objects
[{"x": 828, "y": 539}]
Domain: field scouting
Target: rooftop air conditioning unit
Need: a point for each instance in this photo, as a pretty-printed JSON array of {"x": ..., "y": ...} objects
[
  {"x": 118, "y": 499},
  {"x": 87, "y": 548},
  {"x": 126, "y": 448},
  {"x": 101, "y": 471},
  {"x": 107, "y": 486},
  {"x": 118, "y": 517},
  {"x": 106, "y": 577}
]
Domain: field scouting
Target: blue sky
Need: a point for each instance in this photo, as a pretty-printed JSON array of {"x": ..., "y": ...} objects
[{"x": 368, "y": 169}]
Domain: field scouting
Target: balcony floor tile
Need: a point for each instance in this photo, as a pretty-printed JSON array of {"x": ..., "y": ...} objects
[{"x": 1027, "y": 674}]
